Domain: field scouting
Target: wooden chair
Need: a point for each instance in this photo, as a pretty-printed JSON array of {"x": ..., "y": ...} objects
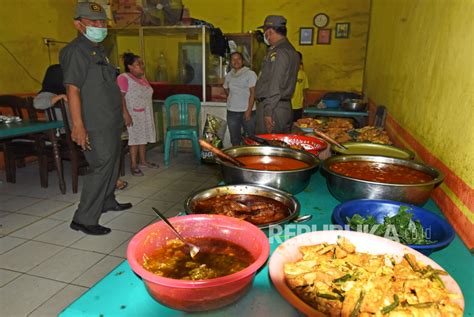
[
  {"x": 70, "y": 151},
  {"x": 15, "y": 150}
]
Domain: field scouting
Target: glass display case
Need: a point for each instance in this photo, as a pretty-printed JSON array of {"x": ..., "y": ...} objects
[{"x": 176, "y": 57}]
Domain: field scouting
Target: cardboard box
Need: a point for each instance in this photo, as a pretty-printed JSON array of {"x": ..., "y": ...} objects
[
  {"x": 126, "y": 19},
  {"x": 125, "y": 8}
]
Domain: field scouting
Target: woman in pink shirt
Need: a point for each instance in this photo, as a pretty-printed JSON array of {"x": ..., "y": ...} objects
[{"x": 138, "y": 111}]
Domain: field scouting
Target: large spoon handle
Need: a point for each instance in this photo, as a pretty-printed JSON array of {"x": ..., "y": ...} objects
[
  {"x": 193, "y": 248},
  {"x": 219, "y": 153},
  {"x": 328, "y": 138},
  {"x": 168, "y": 223}
]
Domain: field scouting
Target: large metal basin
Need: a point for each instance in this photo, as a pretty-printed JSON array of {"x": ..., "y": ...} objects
[
  {"x": 347, "y": 188},
  {"x": 366, "y": 148},
  {"x": 291, "y": 181},
  {"x": 247, "y": 189}
]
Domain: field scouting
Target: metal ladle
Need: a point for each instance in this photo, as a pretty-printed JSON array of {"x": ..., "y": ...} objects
[{"x": 193, "y": 249}]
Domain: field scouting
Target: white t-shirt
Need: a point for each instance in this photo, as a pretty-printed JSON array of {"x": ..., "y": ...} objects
[{"x": 239, "y": 84}]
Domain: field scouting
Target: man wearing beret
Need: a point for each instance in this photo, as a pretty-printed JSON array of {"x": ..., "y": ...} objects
[
  {"x": 95, "y": 107},
  {"x": 277, "y": 79}
]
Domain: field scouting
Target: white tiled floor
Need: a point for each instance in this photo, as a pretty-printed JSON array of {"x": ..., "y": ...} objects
[{"x": 44, "y": 265}]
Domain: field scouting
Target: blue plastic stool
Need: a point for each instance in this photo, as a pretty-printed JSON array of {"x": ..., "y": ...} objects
[{"x": 183, "y": 130}]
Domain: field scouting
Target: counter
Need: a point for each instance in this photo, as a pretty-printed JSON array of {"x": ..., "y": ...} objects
[{"x": 122, "y": 293}]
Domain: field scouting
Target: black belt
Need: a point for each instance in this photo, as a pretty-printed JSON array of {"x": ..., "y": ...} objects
[{"x": 263, "y": 98}]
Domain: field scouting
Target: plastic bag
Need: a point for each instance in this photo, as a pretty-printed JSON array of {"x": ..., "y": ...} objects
[{"x": 213, "y": 133}]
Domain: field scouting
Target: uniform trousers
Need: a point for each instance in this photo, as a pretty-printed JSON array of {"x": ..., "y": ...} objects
[
  {"x": 98, "y": 188},
  {"x": 282, "y": 117}
]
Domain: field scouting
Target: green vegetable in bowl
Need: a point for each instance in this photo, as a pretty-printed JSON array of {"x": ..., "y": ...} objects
[{"x": 409, "y": 231}]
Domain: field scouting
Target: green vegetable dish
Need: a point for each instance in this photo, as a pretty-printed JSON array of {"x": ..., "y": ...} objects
[{"x": 402, "y": 225}]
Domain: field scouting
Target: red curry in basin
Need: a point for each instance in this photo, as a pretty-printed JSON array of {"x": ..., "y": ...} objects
[
  {"x": 271, "y": 163},
  {"x": 380, "y": 172}
]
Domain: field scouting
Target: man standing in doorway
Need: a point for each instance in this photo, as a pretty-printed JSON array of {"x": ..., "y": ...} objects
[
  {"x": 277, "y": 79},
  {"x": 96, "y": 114}
]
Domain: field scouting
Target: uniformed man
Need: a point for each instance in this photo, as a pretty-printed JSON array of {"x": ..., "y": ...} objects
[
  {"x": 97, "y": 121},
  {"x": 277, "y": 79}
]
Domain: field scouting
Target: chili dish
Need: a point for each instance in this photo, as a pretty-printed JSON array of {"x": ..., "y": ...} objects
[
  {"x": 380, "y": 172},
  {"x": 271, "y": 163}
]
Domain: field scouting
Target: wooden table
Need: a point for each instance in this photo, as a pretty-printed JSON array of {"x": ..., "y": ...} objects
[{"x": 15, "y": 129}]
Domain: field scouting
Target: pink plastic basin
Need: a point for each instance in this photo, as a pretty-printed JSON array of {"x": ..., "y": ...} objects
[{"x": 200, "y": 295}]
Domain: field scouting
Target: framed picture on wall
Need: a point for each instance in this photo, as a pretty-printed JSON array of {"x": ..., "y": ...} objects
[
  {"x": 342, "y": 30},
  {"x": 306, "y": 36},
  {"x": 324, "y": 36}
]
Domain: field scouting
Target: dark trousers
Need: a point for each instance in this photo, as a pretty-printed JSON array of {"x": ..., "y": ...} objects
[
  {"x": 98, "y": 189},
  {"x": 297, "y": 114},
  {"x": 282, "y": 118},
  {"x": 235, "y": 122}
]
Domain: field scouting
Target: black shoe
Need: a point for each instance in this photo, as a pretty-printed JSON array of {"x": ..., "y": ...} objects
[
  {"x": 120, "y": 207},
  {"x": 96, "y": 230}
]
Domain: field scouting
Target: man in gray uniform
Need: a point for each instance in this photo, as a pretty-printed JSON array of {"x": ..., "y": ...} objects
[
  {"x": 95, "y": 107},
  {"x": 277, "y": 79}
]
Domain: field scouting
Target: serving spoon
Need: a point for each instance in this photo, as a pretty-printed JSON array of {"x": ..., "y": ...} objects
[
  {"x": 328, "y": 138},
  {"x": 193, "y": 249},
  {"x": 219, "y": 153}
]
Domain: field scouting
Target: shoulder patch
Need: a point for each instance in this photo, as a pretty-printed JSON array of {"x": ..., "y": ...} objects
[
  {"x": 273, "y": 56},
  {"x": 95, "y": 7}
]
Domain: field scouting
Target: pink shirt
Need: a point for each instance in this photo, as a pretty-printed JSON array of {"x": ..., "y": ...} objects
[{"x": 122, "y": 81}]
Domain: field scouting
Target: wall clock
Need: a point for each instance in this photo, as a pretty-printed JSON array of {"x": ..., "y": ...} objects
[{"x": 320, "y": 20}]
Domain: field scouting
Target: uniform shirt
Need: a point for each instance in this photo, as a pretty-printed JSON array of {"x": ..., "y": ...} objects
[
  {"x": 239, "y": 84},
  {"x": 86, "y": 66},
  {"x": 298, "y": 96},
  {"x": 278, "y": 76}
]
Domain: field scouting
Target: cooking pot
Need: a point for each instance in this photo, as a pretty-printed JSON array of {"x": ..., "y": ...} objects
[{"x": 354, "y": 105}]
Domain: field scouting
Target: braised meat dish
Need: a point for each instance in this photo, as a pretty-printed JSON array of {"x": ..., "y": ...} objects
[{"x": 252, "y": 208}]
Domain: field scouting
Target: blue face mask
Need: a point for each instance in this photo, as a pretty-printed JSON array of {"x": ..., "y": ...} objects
[
  {"x": 95, "y": 34},
  {"x": 265, "y": 39}
]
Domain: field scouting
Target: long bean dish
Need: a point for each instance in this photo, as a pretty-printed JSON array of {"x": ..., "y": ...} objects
[{"x": 338, "y": 281}]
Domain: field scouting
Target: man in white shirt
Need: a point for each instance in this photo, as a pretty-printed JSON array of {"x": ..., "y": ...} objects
[{"x": 239, "y": 85}]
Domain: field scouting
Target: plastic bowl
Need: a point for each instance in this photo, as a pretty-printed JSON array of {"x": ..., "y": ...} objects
[
  {"x": 436, "y": 228},
  {"x": 331, "y": 103},
  {"x": 199, "y": 295}
]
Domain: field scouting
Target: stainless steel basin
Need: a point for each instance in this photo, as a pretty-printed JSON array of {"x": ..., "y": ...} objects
[
  {"x": 292, "y": 181},
  {"x": 347, "y": 188},
  {"x": 246, "y": 189}
]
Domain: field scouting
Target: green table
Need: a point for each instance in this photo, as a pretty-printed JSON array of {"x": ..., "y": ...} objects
[
  {"x": 122, "y": 293},
  {"x": 15, "y": 129}
]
